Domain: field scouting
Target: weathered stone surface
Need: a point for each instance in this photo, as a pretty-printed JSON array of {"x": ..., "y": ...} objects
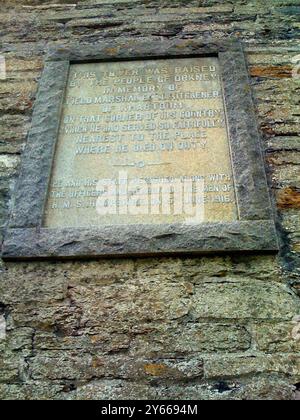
[
  {"x": 32, "y": 390},
  {"x": 151, "y": 328},
  {"x": 86, "y": 367},
  {"x": 282, "y": 337},
  {"x": 291, "y": 225},
  {"x": 267, "y": 389},
  {"x": 201, "y": 270},
  {"x": 8, "y": 170},
  {"x": 259, "y": 389},
  {"x": 230, "y": 367},
  {"x": 246, "y": 299},
  {"x": 195, "y": 338},
  {"x": 131, "y": 240}
]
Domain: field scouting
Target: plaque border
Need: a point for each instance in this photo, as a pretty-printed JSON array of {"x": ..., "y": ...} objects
[{"x": 26, "y": 238}]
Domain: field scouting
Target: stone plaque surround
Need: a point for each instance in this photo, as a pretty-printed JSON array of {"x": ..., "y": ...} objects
[{"x": 58, "y": 162}]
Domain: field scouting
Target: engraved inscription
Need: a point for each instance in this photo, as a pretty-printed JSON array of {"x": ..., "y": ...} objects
[{"x": 158, "y": 124}]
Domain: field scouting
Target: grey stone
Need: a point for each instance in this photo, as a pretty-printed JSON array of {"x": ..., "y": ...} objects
[{"x": 27, "y": 239}]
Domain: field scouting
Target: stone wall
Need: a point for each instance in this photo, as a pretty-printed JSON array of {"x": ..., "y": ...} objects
[{"x": 223, "y": 327}]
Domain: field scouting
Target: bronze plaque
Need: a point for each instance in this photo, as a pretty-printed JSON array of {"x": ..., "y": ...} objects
[{"x": 142, "y": 142}]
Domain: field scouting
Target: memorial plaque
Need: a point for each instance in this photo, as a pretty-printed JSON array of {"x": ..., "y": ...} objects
[
  {"x": 150, "y": 128},
  {"x": 142, "y": 149}
]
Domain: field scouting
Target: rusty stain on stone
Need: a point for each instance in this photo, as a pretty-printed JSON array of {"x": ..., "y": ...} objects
[
  {"x": 155, "y": 369},
  {"x": 271, "y": 71},
  {"x": 112, "y": 51},
  {"x": 289, "y": 198}
]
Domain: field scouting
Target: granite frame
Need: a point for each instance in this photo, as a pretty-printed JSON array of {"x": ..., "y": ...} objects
[{"x": 26, "y": 238}]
